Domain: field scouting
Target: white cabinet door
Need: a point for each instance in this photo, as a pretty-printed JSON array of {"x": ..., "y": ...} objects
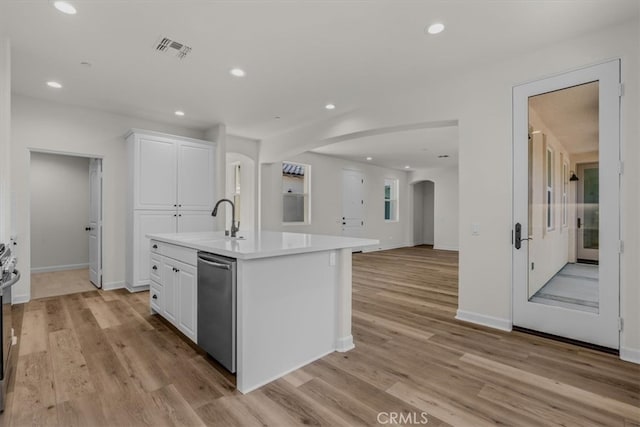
[
  {"x": 170, "y": 289},
  {"x": 146, "y": 222},
  {"x": 187, "y": 292},
  {"x": 195, "y": 176},
  {"x": 155, "y": 174},
  {"x": 193, "y": 221}
]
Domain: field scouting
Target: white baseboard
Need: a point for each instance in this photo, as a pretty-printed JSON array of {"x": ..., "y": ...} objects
[
  {"x": 446, "y": 248},
  {"x": 630, "y": 354},
  {"x": 54, "y": 268},
  {"x": 112, "y": 285},
  {"x": 134, "y": 289},
  {"x": 481, "y": 319},
  {"x": 20, "y": 299},
  {"x": 345, "y": 344}
]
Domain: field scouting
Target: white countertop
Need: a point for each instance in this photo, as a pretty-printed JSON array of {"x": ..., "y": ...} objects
[{"x": 264, "y": 244}]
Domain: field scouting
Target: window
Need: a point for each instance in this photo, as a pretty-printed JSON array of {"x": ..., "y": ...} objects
[
  {"x": 295, "y": 193},
  {"x": 565, "y": 193},
  {"x": 549, "y": 181},
  {"x": 391, "y": 199}
]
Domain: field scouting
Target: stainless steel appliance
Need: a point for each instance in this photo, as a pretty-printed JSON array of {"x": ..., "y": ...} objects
[
  {"x": 217, "y": 308},
  {"x": 9, "y": 276}
]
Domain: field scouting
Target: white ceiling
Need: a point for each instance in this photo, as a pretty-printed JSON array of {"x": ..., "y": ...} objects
[
  {"x": 298, "y": 54},
  {"x": 572, "y": 115},
  {"x": 417, "y": 148}
]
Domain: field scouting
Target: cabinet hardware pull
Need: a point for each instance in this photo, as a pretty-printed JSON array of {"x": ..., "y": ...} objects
[{"x": 155, "y": 267}]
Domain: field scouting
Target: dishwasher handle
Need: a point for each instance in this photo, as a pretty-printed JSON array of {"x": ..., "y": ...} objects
[{"x": 214, "y": 264}]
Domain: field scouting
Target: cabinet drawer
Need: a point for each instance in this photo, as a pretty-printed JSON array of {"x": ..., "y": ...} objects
[
  {"x": 155, "y": 297},
  {"x": 179, "y": 253},
  {"x": 154, "y": 271}
]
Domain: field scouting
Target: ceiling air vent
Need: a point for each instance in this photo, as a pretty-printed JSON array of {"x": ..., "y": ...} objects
[{"x": 171, "y": 46}]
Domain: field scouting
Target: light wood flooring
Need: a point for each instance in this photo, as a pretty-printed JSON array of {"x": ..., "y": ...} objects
[
  {"x": 99, "y": 359},
  {"x": 60, "y": 283}
]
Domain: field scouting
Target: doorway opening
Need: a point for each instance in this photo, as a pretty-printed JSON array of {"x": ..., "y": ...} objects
[
  {"x": 65, "y": 223},
  {"x": 567, "y": 205},
  {"x": 423, "y": 213},
  {"x": 241, "y": 189}
]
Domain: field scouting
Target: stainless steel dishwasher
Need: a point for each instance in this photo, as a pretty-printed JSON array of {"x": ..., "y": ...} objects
[{"x": 217, "y": 308}]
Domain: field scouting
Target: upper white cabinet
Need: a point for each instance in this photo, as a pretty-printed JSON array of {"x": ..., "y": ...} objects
[
  {"x": 195, "y": 171},
  {"x": 155, "y": 173},
  {"x": 171, "y": 189},
  {"x": 172, "y": 173}
]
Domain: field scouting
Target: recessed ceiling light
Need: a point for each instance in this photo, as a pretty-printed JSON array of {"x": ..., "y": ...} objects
[
  {"x": 330, "y": 107},
  {"x": 237, "y": 72},
  {"x": 407, "y": 167},
  {"x": 369, "y": 158},
  {"x": 54, "y": 85},
  {"x": 435, "y": 28},
  {"x": 179, "y": 113},
  {"x": 64, "y": 7}
]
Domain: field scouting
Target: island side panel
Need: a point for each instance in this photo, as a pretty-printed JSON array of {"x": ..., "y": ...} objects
[
  {"x": 344, "y": 339},
  {"x": 287, "y": 313}
]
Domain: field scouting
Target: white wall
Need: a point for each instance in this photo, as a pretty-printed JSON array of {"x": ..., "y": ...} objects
[
  {"x": 59, "y": 212},
  {"x": 445, "y": 205},
  {"x": 46, "y": 126},
  {"x": 5, "y": 138},
  {"x": 423, "y": 213},
  {"x": 326, "y": 199},
  {"x": 480, "y": 98}
]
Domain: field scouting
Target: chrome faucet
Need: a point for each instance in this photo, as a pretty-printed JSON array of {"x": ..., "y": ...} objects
[{"x": 234, "y": 229}]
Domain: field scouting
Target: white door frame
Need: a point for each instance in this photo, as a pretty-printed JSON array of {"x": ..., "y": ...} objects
[{"x": 596, "y": 328}]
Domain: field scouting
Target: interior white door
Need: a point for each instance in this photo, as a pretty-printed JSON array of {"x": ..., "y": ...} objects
[
  {"x": 599, "y": 326},
  {"x": 95, "y": 222},
  {"x": 588, "y": 212},
  {"x": 352, "y": 203}
]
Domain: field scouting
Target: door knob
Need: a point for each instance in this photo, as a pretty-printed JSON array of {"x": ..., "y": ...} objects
[
  {"x": 155, "y": 267},
  {"x": 517, "y": 240},
  {"x": 88, "y": 228},
  {"x": 579, "y": 223},
  {"x": 154, "y": 296}
]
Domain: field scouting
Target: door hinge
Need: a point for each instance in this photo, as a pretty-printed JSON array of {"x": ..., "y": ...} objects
[
  {"x": 621, "y": 90},
  {"x": 620, "y": 167},
  {"x": 621, "y": 246},
  {"x": 620, "y": 324}
]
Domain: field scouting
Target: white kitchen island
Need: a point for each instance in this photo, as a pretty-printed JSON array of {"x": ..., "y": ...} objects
[{"x": 293, "y": 295}]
